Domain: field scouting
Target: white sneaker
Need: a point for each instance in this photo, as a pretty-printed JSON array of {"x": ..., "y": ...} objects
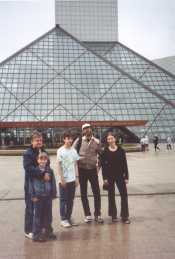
[
  {"x": 65, "y": 224},
  {"x": 73, "y": 223},
  {"x": 29, "y": 235},
  {"x": 88, "y": 219}
]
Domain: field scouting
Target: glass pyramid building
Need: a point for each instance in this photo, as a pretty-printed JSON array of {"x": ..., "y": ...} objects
[
  {"x": 59, "y": 81},
  {"x": 152, "y": 78}
]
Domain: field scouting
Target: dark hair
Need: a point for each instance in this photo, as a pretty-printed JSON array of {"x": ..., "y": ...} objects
[
  {"x": 110, "y": 133},
  {"x": 36, "y": 134},
  {"x": 67, "y": 134},
  {"x": 42, "y": 154}
]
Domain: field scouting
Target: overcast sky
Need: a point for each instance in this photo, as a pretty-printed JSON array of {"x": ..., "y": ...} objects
[{"x": 147, "y": 26}]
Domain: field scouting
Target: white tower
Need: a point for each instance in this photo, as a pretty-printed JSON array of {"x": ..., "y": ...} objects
[{"x": 88, "y": 20}]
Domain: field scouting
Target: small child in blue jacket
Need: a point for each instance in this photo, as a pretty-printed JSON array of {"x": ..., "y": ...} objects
[{"x": 43, "y": 190}]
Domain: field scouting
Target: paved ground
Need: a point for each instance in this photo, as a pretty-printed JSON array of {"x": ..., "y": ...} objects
[
  {"x": 150, "y": 236},
  {"x": 152, "y": 208}
]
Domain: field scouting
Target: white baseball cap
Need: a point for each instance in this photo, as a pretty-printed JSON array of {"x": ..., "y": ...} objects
[{"x": 86, "y": 125}]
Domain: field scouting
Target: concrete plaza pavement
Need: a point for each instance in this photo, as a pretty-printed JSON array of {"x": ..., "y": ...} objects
[{"x": 152, "y": 210}]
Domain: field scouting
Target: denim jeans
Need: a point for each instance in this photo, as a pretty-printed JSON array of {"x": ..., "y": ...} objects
[
  {"x": 28, "y": 219},
  {"x": 91, "y": 176},
  {"x": 67, "y": 195},
  {"x": 42, "y": 215}
]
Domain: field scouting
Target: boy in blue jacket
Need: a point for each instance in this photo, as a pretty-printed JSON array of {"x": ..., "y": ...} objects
[{"x": 31, "y": 170}]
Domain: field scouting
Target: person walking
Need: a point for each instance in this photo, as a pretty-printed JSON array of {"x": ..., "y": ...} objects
[
  {"x": 169, "y": 143},
  {"x": 142, "y": 143},
  {"x": 89, "y": 148},
  {"x": 115, "y": 171},
  {"x": 156, "y": 141},
  {"x": 146, "y": 140}
]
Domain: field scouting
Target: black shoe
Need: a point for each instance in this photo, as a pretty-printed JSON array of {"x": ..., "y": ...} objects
[
  {"x": 115, "y": 219},
  {"x": 39, "y": 238},
  {"x": 99, "y": 219},
  {"x": 51, "y": 236}
]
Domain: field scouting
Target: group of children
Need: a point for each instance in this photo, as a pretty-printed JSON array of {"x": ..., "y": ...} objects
[{"x": 40, "y": 187}]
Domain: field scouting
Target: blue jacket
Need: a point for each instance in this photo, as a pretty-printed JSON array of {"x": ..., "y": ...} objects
[
  {"x": 38, "y": 187},
  {"x": 32, "y": 170}
]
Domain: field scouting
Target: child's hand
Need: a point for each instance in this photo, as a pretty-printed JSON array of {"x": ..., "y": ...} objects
[
  {"x": 126, "y": 181},
  {"x": 105, "y": 182},
  {"x": 35, "y": 199},
  {"x": 76, "y": 182},
  {"x": 63, "y": 182},
  {"x": 98, "y": 169},
  {"x": 46, "y": 177}
]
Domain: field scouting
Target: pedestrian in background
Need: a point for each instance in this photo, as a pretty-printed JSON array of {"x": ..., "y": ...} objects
[
  {"x": 156, "y": 141},
  {"x": 146, "y": 140},
  {"x": 169, "y": 143},
  {"x": 142, "y": 143}
]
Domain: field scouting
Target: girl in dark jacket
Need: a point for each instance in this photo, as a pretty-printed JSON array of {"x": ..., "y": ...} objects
[{"x": 115, "y": 171}]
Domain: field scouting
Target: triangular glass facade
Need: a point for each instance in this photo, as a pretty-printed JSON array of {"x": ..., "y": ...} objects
[
  {"x": 58, "y": 78},
  {"x": 155, "y": 79}
]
